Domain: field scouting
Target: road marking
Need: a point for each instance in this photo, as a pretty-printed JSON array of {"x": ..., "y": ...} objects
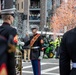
[
  {"x": 31, "y": 66},
  {"x": 50, "y": 69},
  {"x": 47, "y": 71},
  {"x": 43, "y": 71},
  {"x": 30, "y": 72},
  {"x": 52, "y": 63},
  {"x": 27, "y": 67},
  {"x": 50, "y": 73},
  {"x": 27, "y": 72},
  {"x": 43, "y": 63}
]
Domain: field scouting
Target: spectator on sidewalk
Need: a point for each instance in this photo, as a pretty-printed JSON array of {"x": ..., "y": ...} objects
[{"x": 26, "y": 49}]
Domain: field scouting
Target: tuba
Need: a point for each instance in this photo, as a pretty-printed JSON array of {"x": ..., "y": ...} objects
[{"x": 18, "y": 57}]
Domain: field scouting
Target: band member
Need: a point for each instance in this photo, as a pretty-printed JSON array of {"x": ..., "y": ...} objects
[
  {"x": 68, "y": 53},
  {"x": 36, "y": 45},
  {"x": 8, "y": 39}
]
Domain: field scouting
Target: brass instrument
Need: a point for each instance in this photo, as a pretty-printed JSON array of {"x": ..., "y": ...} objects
[{"x": 18, "y": 57}]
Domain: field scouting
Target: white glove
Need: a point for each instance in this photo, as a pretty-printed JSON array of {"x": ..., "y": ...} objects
[
  {"x": 41, "y": 55},
  {"x": 21, "y": 43}
]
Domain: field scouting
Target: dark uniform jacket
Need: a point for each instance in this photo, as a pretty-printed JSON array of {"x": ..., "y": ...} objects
[
  {"x": 35, "y": 53},
  {"x": 68, "y": 52},
  {"x": 7, "y": 58}
]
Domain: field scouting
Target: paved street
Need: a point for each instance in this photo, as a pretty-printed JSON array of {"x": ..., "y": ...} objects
[{"x": 49, "y": 67}]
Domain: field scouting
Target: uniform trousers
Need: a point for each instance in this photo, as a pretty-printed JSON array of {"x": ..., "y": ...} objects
[{"x": 36, "y": 67}]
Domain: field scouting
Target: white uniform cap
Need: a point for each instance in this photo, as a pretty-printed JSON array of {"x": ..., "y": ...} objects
[
  {"x": 8, "y": 11},
  {"x": 34, "y": 27}
]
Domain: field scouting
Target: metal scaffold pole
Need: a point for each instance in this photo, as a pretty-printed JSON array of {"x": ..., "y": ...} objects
[{"x": 18, "y": 23}]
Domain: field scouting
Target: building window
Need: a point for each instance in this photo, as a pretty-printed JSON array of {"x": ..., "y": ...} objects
[
  {"x": 18, "y": 6},
  {"x": 35, "y": 4},
  {"x": 22, "y": 5}
]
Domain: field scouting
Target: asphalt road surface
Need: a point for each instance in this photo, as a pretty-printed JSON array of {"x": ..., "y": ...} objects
[{"x": 48, "y": 67}]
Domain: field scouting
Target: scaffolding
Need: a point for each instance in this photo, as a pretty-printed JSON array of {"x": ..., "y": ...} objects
[{"x": 18, "y": 24}]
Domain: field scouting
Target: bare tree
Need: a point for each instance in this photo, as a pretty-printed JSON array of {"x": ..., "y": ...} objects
[{"x": 65, "y": 15}]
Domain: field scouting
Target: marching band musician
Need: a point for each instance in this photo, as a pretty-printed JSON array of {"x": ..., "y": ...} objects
[
  {"x": 8, "y": 39},
  {"x": 36, "y": 45}
]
